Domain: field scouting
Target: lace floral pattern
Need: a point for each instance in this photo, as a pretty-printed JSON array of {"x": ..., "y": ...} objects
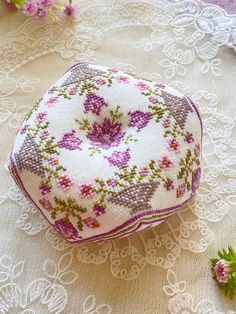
[{"x": 183, "y": 44}]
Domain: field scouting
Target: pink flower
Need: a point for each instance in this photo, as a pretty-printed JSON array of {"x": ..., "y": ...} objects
[
  {"x": 98, "y": 209},
  {"x": 141, "y": 85},
  {"x": 119, "y": 159},
  {"x": 94, "y": 103},
  {"x": 112, "y": 182},
  {"x": 70, "y": 141},
  {"x": 52, "y": 101},
  {"x": 196, "y": 177},
  {"x": 45, "y": 4},
  {"x": 30, "y": 7},
  {"x": 91, "y": 222},
  {"x": 169, "y": 185},
  {"x": 64, "y": 182},
  {"x": 46, "y": 204},
  {"x": 66, "y": 229},
  {"x": 86, "y": 190},
  {"x": 44, "y": 135},
  {"x": 153, "y": 100},
  {"x": 69, "y": 9},
  {"x": 100, "y": 81},
  {"x": 44, "y": 189},
  {"x": 166, "y": 124},
  {"x": 197, "y": 150},
  {"x": 173, "y": 145},
  {"x": 9, "y": 5},
  {"x": 165, "y": 162},
  {"x": 180, "y": 190},
  {"x": 42, "y": 13},
  {"x": 189, "y": 138},
  {"x": 123, "y": 79},
  {"x": 222, "y": 270},
  {"x": 144, "y": 171},
  {"x": 41, "y": 116},
  {"x": 139, "y": 119},
  {"x": 54, "y": 161}
]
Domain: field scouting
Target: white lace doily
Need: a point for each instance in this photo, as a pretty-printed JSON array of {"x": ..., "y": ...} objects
[{"x": 186, "y": 44}]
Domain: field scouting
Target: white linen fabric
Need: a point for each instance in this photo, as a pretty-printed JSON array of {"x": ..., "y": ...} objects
[{"x": 187, "y": 45}]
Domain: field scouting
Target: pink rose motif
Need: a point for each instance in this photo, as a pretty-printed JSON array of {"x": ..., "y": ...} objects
[
  {"x": 180, "y": 190},
  {"x": 91, "y": 222},
  {"x": 30, "y": 7},
  {"x": 173, "y": 145},
  {"x": 197, "y": 150},
  {"x": 94, "y": 103},
  {"x": 119, "y": 159},
  {"x": 222, "y": 270},
  {"x": 107, "y": 134},
  {"x": 64, "y": 182},
  {"x": 99, "y": 210},
  {"x": 196, "y": 176},
  {"x": 41, "y": 116},
  {"x": 52, "y": 101},
  {"x": 70, "y": 141},
  {"x": 123, "y": 79},
  {"x": 45, "y": 204},
  {"x": 165, "y": 163},
  {"x": 86, "y": 190},
  {"x": 139, "y": 119},
  {"x": 66, "y": 229},
  {"x": 141, "y": 85}
]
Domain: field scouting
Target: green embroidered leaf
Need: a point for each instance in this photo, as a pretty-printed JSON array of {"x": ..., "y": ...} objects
[
  {"x": 116, "y": 114},
  {"x": 84, "y": 124}
]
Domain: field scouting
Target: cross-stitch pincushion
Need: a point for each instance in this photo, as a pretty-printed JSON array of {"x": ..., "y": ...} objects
[{"x": 104, "y": 154}]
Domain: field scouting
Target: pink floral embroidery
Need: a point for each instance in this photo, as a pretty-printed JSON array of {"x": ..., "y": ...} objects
[
  {"x": 100, "y": 81},
  {"x": 112, "y": 182},
  {"x": 173, "y": 145},
  {"x": 189, "y": 138},
  {"x": 91, "y": 222},
  {"x": 180, "y": 190},
  {"x": 69, "y": 9},
  {"x": 222, "y": 270},
  {"x": 119, "y": 159},
  {"x": 139, "y": 119},
  {"x": 86, "y": 190},
  {"x": 123, "y": 79},
  {"x": 46, "y": 204},
  {"x": 54, "y": 161},
  {"x": 66, "y": 229},
  {"x": 41, "y": 116},
  {"x": 197, "y": 150},
  {"x": 45, "y": 4},
  {"x": 153, "y": 100},
  {"x": 166, "y": 124},
  {"x": 64, "y": 182},
  {"x": 52, "y": 101},
  {"x": 98, "y": 210},
  {"x": 44, "y": 189},
  {"x": 169, "y": 185},
  {"x": 141, "y": 85},
  {"x": 30, "y": 7},
  {"x": 196, "y": 176},
  {"x": 94, "y": 103},
  {"x": 44, "y": 135},
  {"x": 144, "y": 171},
  {"x": 165, "y": 162},
  {"x": 70, "y": 141},
  {"x": 107, "y": 134}
]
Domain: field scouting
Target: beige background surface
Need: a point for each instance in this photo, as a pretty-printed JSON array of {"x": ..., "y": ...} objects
[{"x": 163, "y": 270}]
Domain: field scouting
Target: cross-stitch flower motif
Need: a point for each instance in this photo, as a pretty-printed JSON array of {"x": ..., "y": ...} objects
[
  {"x": 165, "y": 162},
  {"x": 169, "y": 185},
  {"x": 86, "y": 190},
  {"x": 100, "y": 81},
  {"x": 70, "y": 141},
  {"x": 166, "y": 124},
  {"x": 139, "y": 119},
  {"x": 66, "y": 229},
  {"x": 189, "y": 138},
  {"x": 54, "y": 161},
  {"x": 44, "y": 134},
  {"x": 222, "y": 271},
  {"x": 46, "y": 204},
  {"x": 94, "y": 103},
  {"x": 52, "y": 101},
  {"x": 197, "y": 150},
  {"x": 71, "y": 91},
  {"x": 99, "y": 210},
  {"x": 123, "y": 79},
  {"x": 141, "y": 85},
  {"x": 64, "y": 182},
  {"x": 196, "y": 176},
  {"x": 144, "y": 171},
  {"x": 180, "y": 190},
  {"x": 44, "y": 188},
  {"x": 153, "y": 100},
  {"x": 112, "y": 182},
  {"x": 119, "y": 159},
  {"x": 173, "y": 145},
  {"x": 91, "y": 222},
  {"x": 106, "y": 134},
  {"x": 41, "y": 116}
]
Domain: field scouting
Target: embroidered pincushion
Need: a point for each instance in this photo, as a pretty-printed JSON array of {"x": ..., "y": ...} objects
[{"x": 104, "y": 154}]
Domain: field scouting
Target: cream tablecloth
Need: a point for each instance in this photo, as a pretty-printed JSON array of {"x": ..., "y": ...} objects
[{"x": 190, "y": 46}]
